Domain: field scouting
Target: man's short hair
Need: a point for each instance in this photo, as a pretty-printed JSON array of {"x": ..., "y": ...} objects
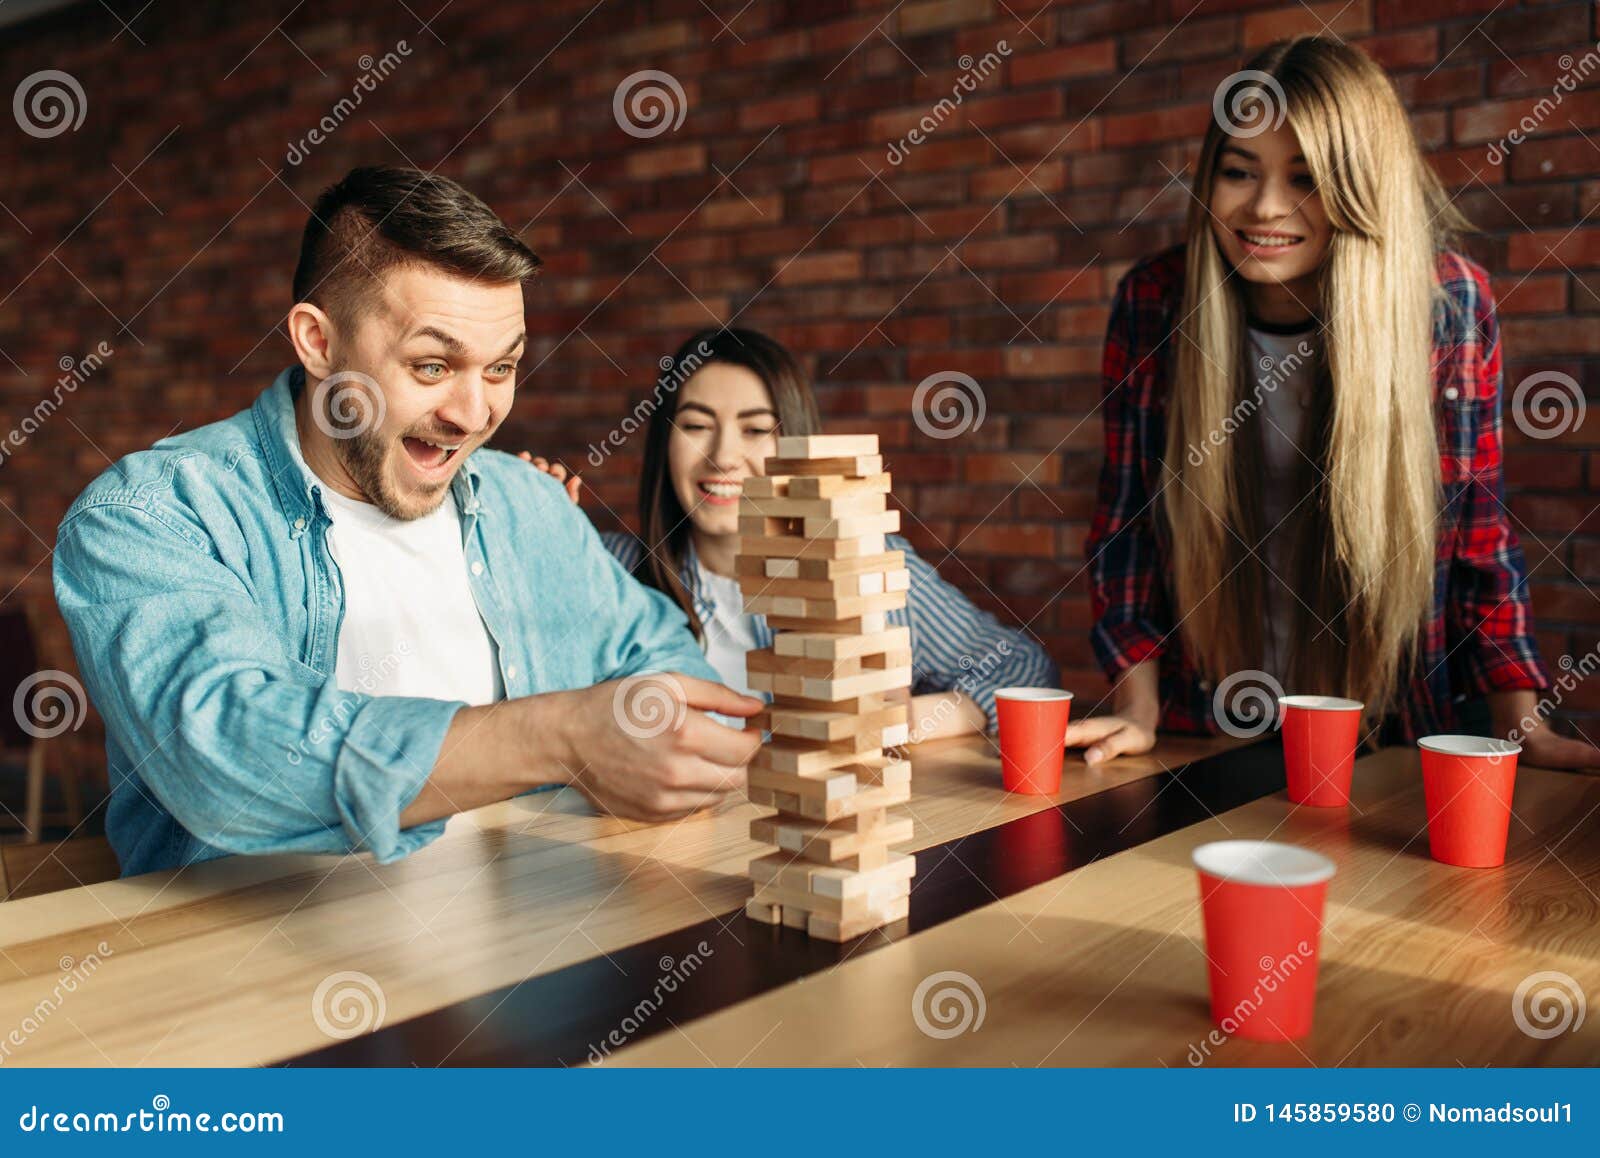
[{"x": 380, "y": 217}]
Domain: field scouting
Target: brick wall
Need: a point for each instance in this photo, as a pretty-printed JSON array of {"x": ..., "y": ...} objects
[{"x": 166, "y": 226}]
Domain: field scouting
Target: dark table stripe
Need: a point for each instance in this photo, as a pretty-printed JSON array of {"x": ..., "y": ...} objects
[{"x": 569, "y": 1016}]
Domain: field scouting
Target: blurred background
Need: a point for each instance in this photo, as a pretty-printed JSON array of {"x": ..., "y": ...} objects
[{"x": 684, "y": 163}]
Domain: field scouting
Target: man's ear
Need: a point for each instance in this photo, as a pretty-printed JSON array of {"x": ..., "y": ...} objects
[{"x": 311, "y": 331}]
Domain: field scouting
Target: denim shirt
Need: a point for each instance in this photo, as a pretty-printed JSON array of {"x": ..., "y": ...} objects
[
  {"x": 205, "y": 608},
  {"x": 955, "y": 646}
]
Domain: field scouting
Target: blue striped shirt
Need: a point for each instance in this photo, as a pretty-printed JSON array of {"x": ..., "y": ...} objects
[{"x": 955, "y": 646}]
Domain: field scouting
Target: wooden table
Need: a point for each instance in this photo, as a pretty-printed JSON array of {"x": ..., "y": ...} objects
[
  {"x": 1104, "y": 966},
  {"x": 535, "y": 932},
  {"x": 220, "y": 963}
]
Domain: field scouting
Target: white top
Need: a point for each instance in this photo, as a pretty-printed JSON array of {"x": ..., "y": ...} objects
[
  {"x": 731, "y": 634},
  {"x": 411, "y": 625},
  {"x": 1283, "y": 372}
]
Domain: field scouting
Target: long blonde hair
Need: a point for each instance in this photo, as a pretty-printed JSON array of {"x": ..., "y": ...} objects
[{"x": 1364, "y": 540}]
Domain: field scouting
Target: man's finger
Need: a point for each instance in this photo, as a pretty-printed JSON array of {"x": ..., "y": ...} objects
[
  {"x": 558, "y": 472},
  {"x": 524, "y": 456},
  {"x": 718, "y": 743},
  {"x": 574, "y": 484},
  {"x": 710, "y": 697}
]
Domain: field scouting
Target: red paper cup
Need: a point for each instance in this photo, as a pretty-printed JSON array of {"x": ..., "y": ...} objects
[
  {"x": 1319, "y": 748},
  {"x": 1467, "y": 782},
  {"x": 1262, "y": 903},
  {"x": 1033, "y": 730}
]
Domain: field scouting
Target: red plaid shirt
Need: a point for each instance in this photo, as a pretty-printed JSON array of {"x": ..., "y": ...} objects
[{"x": 1480, "y": 637}]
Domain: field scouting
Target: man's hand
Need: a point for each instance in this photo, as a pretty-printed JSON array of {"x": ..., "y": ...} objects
[
  {"x": 556, "y": 471},
  {"x": 644, "y": 749}
]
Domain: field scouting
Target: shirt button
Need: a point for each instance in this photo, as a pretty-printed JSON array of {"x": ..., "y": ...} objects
[
  {"x": 477, "y": 568},
  {"x": 299, "y": 524},
  {"x": 511, "y": 672},
  {"x": 1451, "y": 393}
]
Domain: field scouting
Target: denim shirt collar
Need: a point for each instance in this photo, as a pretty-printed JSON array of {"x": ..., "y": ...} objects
[
  {"x": 296, "y": 484},
  {"x": 690, "y": 574}
]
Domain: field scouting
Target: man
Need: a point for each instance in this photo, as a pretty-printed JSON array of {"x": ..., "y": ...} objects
[{"x": 331, "y": 621}]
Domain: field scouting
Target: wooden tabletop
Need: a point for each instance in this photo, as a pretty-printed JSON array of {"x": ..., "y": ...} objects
[
  {"x": 221, "y": 963},
  {"x": 1421, "y": 962}
]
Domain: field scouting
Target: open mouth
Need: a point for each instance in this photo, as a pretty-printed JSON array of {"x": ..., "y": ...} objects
[
  {"x": 1267, "y": 243},
  {"x": 719, "y": 492},
  {"x": 428, "y": 456}
]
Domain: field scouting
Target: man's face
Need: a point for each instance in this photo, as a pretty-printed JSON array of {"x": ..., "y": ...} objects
[{"x": 443, "y": 353}]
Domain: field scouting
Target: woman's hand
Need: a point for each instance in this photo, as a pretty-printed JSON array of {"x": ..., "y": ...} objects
[
  {"x": 1106, "y": 737},
  {"x": 556, "y": 471},
  {"x": 1547, "y": 748}
]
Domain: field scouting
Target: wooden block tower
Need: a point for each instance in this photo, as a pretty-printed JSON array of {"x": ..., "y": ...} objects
[{"x": 813, "y": 560}]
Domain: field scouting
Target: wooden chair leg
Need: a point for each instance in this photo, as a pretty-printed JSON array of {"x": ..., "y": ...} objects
[
  {"x": 5, "y": 885},
  {"x": 33, "y": 814},
  {"x": 71, "y": 796}
]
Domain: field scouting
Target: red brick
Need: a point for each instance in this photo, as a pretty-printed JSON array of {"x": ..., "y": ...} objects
[{"x": 1088, "y": 59}]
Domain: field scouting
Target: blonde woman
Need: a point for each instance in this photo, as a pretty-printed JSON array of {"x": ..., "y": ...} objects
[{"x": 1303, "y": 453}]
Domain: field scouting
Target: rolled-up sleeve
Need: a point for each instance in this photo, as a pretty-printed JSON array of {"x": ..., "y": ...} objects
[
  {"x": 1128, "y": 602},
  {"x": 957, "y": 646},
  {"x": 249, "y": 750}
]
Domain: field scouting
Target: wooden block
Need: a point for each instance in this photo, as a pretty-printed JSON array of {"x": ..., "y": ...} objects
[
  {"x": 843, "y": 806},
  {"x": 760, "y": 487},
  {"x": 763, "y": 912},
  {"x": 843, "y": 587},
  {"x": 795, "y": 917},
  {"x": 829, "y": 486},
  {"x": 818, "y": 788},
  {"x": 829, "y": 929},
  {"x": 826, "y": 445},
  {"x": 838, "y": 882},
  {"x": 760, "y": 543},
  {"x": 824, "y": 609},
  {"x": 869, "y": 624},
  {"x": 856, "y": 685},
  {"x": 856, "y": 705},
  {"x": 767, "y": 660},
  {"x": 816, "y": 645},
  {"x": 893, "y": 771},
  {"x": 846, "y": 526},
  {"x": 813, "y": 724},
  {"x": 844, "y": 909},
  {"x": 832, "y": 843},
  {"x": 784, "y": 869},
  {"x": 838, "y": 507},
  {"x": 773, "y": 567},
  {"x": 850, "y": 466},
  {"x": 808, "y": 761}
]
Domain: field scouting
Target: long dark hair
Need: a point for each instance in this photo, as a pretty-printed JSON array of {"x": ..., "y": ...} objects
[{"x": 663, "y": 523}]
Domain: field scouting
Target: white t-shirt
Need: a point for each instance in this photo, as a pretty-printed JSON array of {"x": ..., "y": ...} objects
[
  {"x": 731, "y": 633},
  {"x": 411, "y": 625},
  {"x": 1284, "y": 369}
]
